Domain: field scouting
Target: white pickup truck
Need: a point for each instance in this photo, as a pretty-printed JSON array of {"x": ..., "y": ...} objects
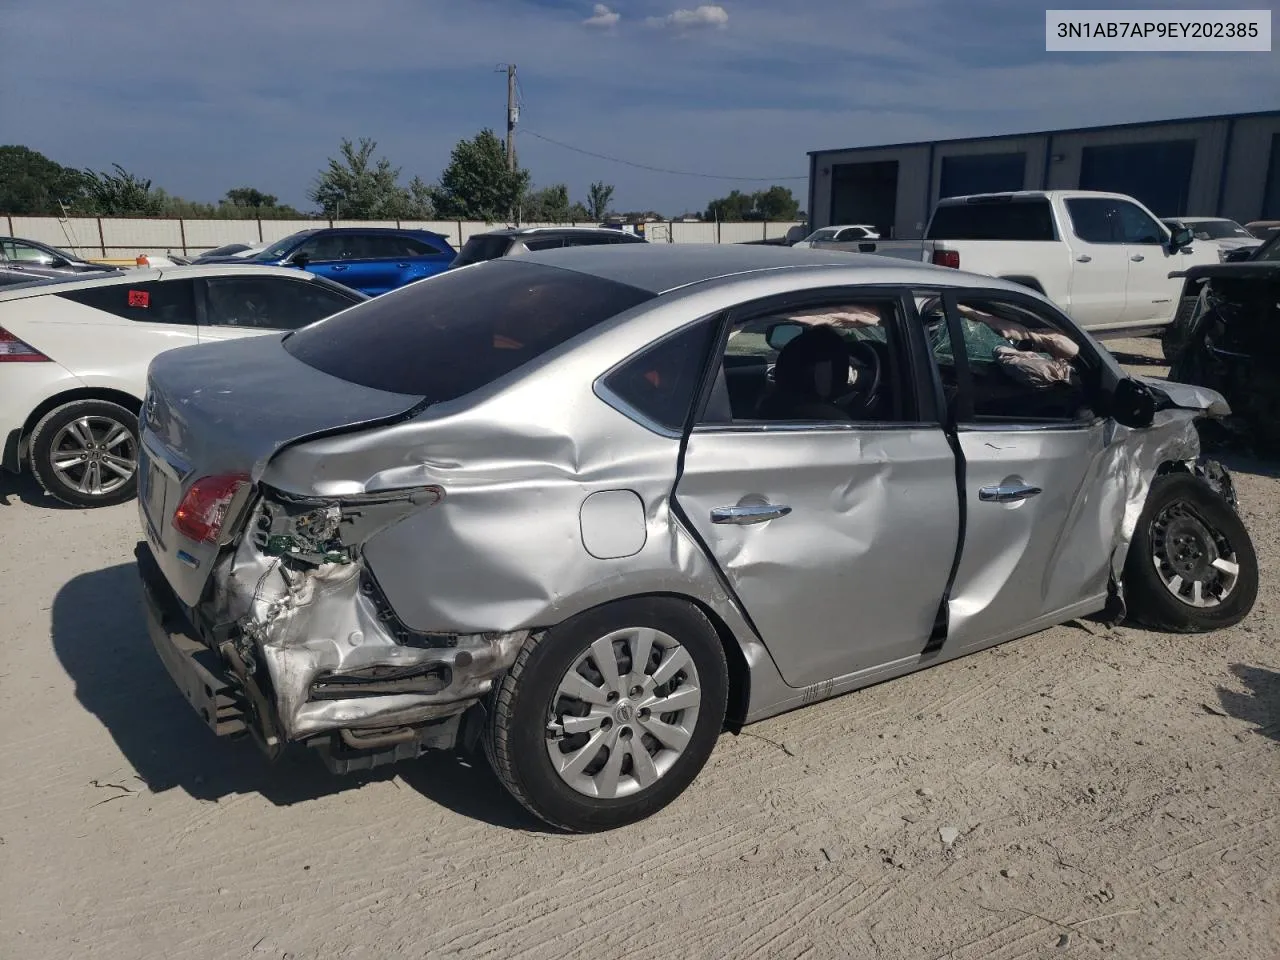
[{"x": 1104, "y": 258}]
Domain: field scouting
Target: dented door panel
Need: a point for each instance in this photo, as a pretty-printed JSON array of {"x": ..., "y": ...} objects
[{"x": 853, "y": 575}]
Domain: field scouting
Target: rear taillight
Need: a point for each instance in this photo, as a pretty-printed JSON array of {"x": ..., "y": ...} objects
[
  {"x": 13, "y": 350},
  {"x": 947, "y": 258},
  {"x": 203, "y": 510}
]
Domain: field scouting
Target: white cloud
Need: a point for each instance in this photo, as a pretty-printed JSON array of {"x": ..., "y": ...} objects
[
  {"x": 708, "y": 15},
  {"x": 602, "y": 17}
]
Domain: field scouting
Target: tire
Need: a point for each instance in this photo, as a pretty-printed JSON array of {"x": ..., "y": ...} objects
[
  {"x": 60, "y": 436},
  {"x": 1174, "y": 336},
  {"x": 1181, "y": 507},
  {"x": 520, "y": 743}
]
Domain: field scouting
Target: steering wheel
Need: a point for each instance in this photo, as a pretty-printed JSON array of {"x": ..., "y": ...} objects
[{"x": 866, "y": 389}]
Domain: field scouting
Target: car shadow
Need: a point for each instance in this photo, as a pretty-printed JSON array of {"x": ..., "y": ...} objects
[
  {"x": 100, "y": 638},
  {"x": 24, "y": 488},
  {"x": 1260, "y": 705},
  {"x": 1240, "y": 462}
]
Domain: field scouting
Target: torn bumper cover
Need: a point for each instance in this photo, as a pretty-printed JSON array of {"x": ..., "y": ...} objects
[{"x": 290, "y": 647}]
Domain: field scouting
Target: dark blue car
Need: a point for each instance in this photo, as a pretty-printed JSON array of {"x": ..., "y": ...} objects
[{"x": 372, "y": 260}]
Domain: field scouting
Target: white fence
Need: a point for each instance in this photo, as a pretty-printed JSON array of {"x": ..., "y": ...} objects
[{"x": 119, "y": 238}]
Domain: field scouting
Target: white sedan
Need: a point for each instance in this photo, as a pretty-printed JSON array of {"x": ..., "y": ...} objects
[{"x": 74, "y": 356}]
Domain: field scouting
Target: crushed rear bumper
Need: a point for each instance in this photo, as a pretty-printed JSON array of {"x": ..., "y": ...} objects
[{"x": 364, "y": 702}]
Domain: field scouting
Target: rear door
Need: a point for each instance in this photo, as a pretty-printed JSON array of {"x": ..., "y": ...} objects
[
  {"x": 837, "y": 534},
  {"x": 416, "y": 257},
  {"x": 1100, "y": 262},
  {"x": 1036, "y": 533},
  {"x": 250, "y": 305}
]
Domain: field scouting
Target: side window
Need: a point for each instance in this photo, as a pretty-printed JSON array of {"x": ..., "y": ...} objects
[
  {"x": 591, "y": 240},
  {"x": 414, "y": 247},
  {"x": 268, "y": 303},
  {"x": 1022, "y": 367},
  {"x": 169, "y": 301},
  {"x": 333, "y": 246},
  {"x": 1136, "y": 226},
  {"x": 841, "y": 361},
  {"x": 25, "y": 253},
  {"x": 1095, "y": 220},
  {"x": 660, "y": 383}
]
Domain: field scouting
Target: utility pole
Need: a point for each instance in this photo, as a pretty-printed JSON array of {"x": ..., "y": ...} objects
[{"x": 513, "y": 113}]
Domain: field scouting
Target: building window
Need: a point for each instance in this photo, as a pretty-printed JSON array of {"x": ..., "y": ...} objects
[
  {"x": 983, "y": 173},
  {"x": 1157, "y": 174}
]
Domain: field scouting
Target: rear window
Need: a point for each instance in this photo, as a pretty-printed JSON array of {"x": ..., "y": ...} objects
[
  {"x": 480, "y": 249},
  {"x": 444, "y": 337},
  {"x": 993, "y": 220}
]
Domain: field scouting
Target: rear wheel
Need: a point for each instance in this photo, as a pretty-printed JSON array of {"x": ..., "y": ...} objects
[
  {"x": 607, "y": 718},
  {"x": 1191, "y": 566},
  {"x": 85, "y": 453}
]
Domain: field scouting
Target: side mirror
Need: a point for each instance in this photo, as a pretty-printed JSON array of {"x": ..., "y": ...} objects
[
  {"x": 300, "y": 260},
  {"x": 1133, "y": 404},
  {"x": 780, "y": 334},
  {"x": 1182, "y": 237}
]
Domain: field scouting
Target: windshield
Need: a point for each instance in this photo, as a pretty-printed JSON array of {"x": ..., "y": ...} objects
[
  {"x": 1219, "y": 230},
  {"x": 823, "y": 234},
  {"x": 443, "y": 337},
  {"x": 280, "y": 248}
]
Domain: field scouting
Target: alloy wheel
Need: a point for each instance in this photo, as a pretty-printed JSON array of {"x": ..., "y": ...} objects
[{"x": 94, "y": 455}]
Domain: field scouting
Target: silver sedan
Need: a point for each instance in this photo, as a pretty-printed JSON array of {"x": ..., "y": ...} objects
[{"x": 589, "y": 508}]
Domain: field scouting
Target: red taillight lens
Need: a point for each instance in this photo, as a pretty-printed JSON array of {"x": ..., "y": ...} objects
[
  {"x": 204, "y": 509},
  {"x": 13, "y": 350},
  {"x": 947, "y": 258}
]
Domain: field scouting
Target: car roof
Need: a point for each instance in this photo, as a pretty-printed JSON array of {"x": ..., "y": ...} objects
[
  {"x": 148, "y": 274},
  {"x": 526, "y": 231},
  {"x": 663, "y": 267},
  {"x": 374, "y": 230}
]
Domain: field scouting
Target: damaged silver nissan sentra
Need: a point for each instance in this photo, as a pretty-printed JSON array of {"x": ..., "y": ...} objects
[{"x": 590, "y": 506}]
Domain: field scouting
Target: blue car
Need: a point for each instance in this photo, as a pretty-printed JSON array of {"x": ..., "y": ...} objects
[{"x": 372, "y": 260}]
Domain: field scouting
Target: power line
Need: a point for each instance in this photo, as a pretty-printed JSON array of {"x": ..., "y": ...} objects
[{"x": 643, "y": 166}]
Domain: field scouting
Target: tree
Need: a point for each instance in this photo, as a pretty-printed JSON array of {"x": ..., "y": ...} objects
[
  {"x": 579, "y": 214},
  {"x": 599, "y": 196},
  {"x": 249, "y": 197},
  {"x": 122, "y": 194},
  {"x": 776, "y": 203},
  {"x": 548, "y": 205},
  {"x": 418, "y": 202},
  {"x": 32, "y": 184},
  {"x": 476, "y": 185},
  {"x": 357, "y": 186}
]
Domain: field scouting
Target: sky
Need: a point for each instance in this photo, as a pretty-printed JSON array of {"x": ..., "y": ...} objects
[{"x": 205, "y": 95}]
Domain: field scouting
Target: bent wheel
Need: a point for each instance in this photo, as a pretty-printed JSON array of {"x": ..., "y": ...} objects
[{"x": 608, "y": 717}]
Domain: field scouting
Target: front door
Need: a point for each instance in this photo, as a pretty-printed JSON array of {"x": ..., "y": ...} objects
[
  {"x": 1150, "y": 294},
  {"x": 825, "y": 493},
  {"x": 1039, "y": 518}
]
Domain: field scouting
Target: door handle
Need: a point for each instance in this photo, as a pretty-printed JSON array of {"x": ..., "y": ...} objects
[
  {"x": 1083, "y": 258},
  {"x": 1137, "y": 258},
  {"x": 402, "y": 266},
  {"x": 339, "y": 268},
  {"x": 748, "y": 513},
  {"x": 1008, "y": 493}
]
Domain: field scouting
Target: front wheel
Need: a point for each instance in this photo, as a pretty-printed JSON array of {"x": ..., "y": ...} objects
[
  {"x": 1191, "y": 566},
  {"x": 608, "y": 717}
]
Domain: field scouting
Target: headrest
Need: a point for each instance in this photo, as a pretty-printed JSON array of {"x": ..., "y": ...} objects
[{"x": 816, "y": 363}]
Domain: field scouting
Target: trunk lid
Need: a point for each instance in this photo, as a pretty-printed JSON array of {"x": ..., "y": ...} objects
[{"x": 228, "y": 408}]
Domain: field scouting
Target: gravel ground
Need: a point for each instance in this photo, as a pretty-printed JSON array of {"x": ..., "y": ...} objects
[{"x": 1080, "y": 792}]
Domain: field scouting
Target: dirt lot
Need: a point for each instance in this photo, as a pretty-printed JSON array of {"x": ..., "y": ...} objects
[{"x": 1110, "y": 792}]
